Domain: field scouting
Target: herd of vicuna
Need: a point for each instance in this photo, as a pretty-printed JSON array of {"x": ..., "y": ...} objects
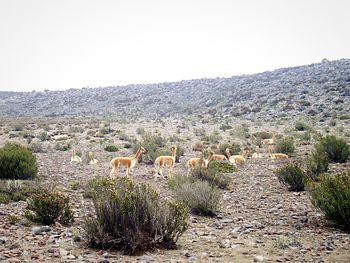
[{"x": 169, "y": 161}]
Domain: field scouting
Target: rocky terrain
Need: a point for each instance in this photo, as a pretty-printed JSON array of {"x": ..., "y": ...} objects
[
  {"x": 317, "y": 89},
  {"x": 259, "y": 220}
]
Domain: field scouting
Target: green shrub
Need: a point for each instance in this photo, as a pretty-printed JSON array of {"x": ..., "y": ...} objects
[
  {"x": 292, "y": 176},
  {"x": 15, "y": 190},
  {"x": 18, "y": 126},
  {"x": 106, "y": 130},
  {"x": 111, "y": 148},
  {"x": 155, "y": 146},
  {"x": 222, "y": 167},
  {"x": 212, "y": 176},
  {"x": 200, "y": 196},
  {"x": 285, "y": 145},
  {"x": 132, "y": 217},
  {"x": 262, "y": 135},
  {"x": 316, "y": 163},
  {"x": 198, "y": 146},
  {"x": 76, "y": 129},
  {"x": 48, "y": 206},
  {"x": 64, "y": 146},
  {"x": 214, "y": 137},
  {"x": 17, "y": 162},
  {"x": 337, "y": 149},
  {"x": 234, "y": 148},
  {"x": 225, "y": 127},
  {"x": 140, "y": 130},
  {"x": 300, "y": 126},
  {"x": 37, "y": 147},
  {"x": 43, "y": 136},
  {"x": 332, "y": 197}
]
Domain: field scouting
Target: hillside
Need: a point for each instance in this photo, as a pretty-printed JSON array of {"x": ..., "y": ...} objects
[{"x": 312, "y": 89}]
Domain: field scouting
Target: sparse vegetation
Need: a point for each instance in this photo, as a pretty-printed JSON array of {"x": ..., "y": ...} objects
[
  {"x": 17, "y": 162},
  {"x": 132, "y": 217},
  {"x": 222, "y": 167},
  {"x": 301, "y": 126},
  {"x": 212, "y": 176},
  {"x": 15, "y": 190},
  {"x": 234, "y": 148}
]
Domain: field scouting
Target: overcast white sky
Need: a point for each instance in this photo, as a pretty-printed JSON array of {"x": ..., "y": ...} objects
[{"x": 51, "y": 44}]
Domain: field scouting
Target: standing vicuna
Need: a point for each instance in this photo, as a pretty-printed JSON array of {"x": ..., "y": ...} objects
[
  {"x": 235, "y": 159},
  {"x": 128, "y": 162},
  {"x": 167, "y": 161}
]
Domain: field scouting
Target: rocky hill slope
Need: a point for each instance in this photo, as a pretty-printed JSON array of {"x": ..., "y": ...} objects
[{"x": 322, "y": 88}]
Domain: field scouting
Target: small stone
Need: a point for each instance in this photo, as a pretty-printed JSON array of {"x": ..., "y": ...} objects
[
  {"x": 37, "y": 230},
  {"x": 3, "y": 240},
  {"x": 258, "y": 258},
  {"x": 146, "y": 259}
]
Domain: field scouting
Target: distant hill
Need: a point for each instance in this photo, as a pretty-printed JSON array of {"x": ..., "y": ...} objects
[{"x": 322, "y": 89}]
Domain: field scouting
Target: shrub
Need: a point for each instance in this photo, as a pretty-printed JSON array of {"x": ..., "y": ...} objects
[
  {"x": 262, "y": 135},
  {"x": 225, "y": 127},
  {"x": 212, "y": 176},
  {"x": 285, "y": 145},
  {"x": 222, "y": 167},
  {"x": 43, "y": 136},
  {"x": 155, "y": 146},
  {"x": 37, "y": 147},
  {"x": 14, "y": 190},
  {"x": 198, "y": 146},
  {"x": 18, "y": 126},
  {"x": 301, "y": 126},
  {"x": 111, "y": 148},
  {"x": 132, "y": 217},
  {"x": 332, "y": 197},
  {"x": 201, "y": 197},
  {"x": 292, "y": 176},
  {"x": 234, "y": 148},
  {"x": 214, "y": 137},
  {"x": 337, "y": 149},
  {"x": 106, "y": 130},
  {"x": 17, "y": 162},
  {"x": 48, "y": 206},
  {"x": 76, "y": 129},
  {"x": 140, "y": 130},
  {"x": 62, "y": 146},
  {"x": 316, "y": 163}
]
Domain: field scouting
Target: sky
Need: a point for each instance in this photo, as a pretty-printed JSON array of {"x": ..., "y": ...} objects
[{"x": 50, "y": 44}]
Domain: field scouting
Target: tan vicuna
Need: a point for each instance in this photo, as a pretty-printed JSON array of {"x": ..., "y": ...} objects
[
  {"x": 75, "y": 157},
  {"x": 269, "y": 141},
  {"x": 165, "y": 161},
  {"x": 256, "y": 154},
  {"x": 198, "y": 162},
  {"x": 277, "y": 155},
  {"x": 216, "y": 157},
  {"x": 235, "y": 159},
  {"x": 127, "y": 162},
  {"x": 92, "y": 158}
]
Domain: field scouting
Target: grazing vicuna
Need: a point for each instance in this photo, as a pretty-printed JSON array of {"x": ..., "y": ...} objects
[
  {"x": 235, "y": 159},
  {"x": 167, "y": 161},
  {"x": 128, "y": 162},
  {"x": 198, "y": 162},
  {"x": 256, "y": 154},
  {"x": 269, "y": 141},
  {"x": 216, "y": 157}
]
